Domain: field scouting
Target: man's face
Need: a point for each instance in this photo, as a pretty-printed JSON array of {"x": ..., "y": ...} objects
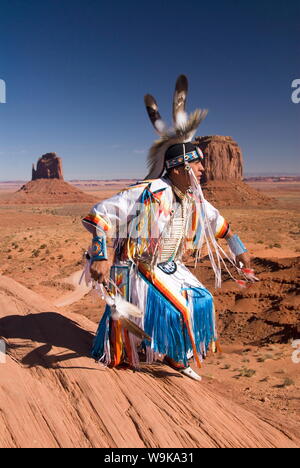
[
  {"x": 180, "y": 175},
  {"x": 197, "y": 168}
]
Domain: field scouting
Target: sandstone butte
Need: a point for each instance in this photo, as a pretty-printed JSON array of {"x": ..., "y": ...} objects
[
  {"x": 49, "y": 166},
  {"x": 54, "y": 395},
  {"x": 48, "y": 186},
  {"x": 222, "y": 180}
]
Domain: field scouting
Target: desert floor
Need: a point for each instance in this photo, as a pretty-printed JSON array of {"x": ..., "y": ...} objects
[{"x": 43, "y": 246}]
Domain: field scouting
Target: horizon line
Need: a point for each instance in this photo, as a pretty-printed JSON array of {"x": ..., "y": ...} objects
[{"x": 247, "y": 175}]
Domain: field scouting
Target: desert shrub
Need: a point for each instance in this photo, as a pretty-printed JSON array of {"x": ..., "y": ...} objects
[
  {"x": 261, "y": 359},
  {"x": 226, "y": 367},
  {"x": 288, "y": 382},
  {"x": 247, "y": 372},
  {"x": 244, "y": 372},
  {"x": 265, "y": 379},
  {"x": 269, "y": 356}
]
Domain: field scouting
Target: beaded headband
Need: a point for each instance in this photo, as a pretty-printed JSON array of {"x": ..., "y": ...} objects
[{"x": 180, "y": 160}]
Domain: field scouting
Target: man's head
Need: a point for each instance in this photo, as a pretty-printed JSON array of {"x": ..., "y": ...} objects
[{"x": 178, "y": 157}]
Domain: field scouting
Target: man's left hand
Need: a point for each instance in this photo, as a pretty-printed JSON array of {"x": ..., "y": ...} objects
[{"x": 245, "y": 259}]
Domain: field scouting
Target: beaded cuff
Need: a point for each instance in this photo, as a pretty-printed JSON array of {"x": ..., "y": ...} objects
[
  {"x": 99, "y": 249},
  {"x": 236, "y": 245}
]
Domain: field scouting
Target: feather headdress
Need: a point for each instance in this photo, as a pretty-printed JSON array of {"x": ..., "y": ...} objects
[{"x": 184, "y": 127}]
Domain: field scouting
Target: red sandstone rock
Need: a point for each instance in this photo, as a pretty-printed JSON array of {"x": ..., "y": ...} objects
[
  {"x": 222, "y": 180},
  {"x": 49, "y": 166},
  {"x": 54, "y": 396},
  {"x": 223, "y": 159}
]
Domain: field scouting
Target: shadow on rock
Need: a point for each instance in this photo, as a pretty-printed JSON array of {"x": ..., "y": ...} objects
[{"x": 49, "y": 328}]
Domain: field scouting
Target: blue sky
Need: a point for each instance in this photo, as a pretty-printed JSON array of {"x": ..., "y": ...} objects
[{"x": 76, "y": 72}]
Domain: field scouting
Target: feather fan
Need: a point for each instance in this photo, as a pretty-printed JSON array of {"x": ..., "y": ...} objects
[
  {"x": 184, "y": 127},
  {"x": 181, "y": 134}
]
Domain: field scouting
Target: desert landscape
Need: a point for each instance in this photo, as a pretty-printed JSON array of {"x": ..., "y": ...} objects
[{"x": 54, "y": 395}]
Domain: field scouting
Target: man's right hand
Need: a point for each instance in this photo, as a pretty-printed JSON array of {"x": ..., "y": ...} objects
[{"x": 100, "y": 271}]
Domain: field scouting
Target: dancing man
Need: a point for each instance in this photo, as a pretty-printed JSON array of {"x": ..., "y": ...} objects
[{"x": 153, "y": 223}]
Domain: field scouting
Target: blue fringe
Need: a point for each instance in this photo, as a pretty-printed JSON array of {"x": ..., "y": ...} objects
[
  {"x": 164, "y": 324},
  {"x": 201, "y": 301},
  {"x": 102, "y": 335}
]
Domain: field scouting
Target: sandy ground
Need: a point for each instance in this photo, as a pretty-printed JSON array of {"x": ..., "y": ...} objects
[
  {"x": 54, "y": 395},
  {"x": 254, "y": 379}
]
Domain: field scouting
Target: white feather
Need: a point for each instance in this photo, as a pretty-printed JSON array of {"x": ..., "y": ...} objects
[
  {"x": 125, "y": 308},
  {"x": 121, "y": 307},
  {"x": 181, "y": 118},
  {"x": 160, "y": 126},
  {"x": 109, "y": 300}
]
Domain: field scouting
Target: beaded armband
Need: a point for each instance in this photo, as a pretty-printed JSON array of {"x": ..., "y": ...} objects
[
  {"x": 236, "y": 245},
  {"x": 99, "y": 249}
]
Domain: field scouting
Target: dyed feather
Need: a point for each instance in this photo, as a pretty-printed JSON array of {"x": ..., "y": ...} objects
[
  {"x": 179, "y": 101},
  {"x": 153, "y": 113}
]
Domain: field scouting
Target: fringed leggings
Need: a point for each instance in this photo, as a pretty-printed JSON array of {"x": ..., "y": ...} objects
[{"x": 178, "y": 316}]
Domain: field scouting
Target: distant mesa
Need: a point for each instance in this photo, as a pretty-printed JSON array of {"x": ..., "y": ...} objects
[
  {"x": 49, "y": 166},
  {"x": 222, "y": 179},
  {"x": 48, "y": 186}
]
